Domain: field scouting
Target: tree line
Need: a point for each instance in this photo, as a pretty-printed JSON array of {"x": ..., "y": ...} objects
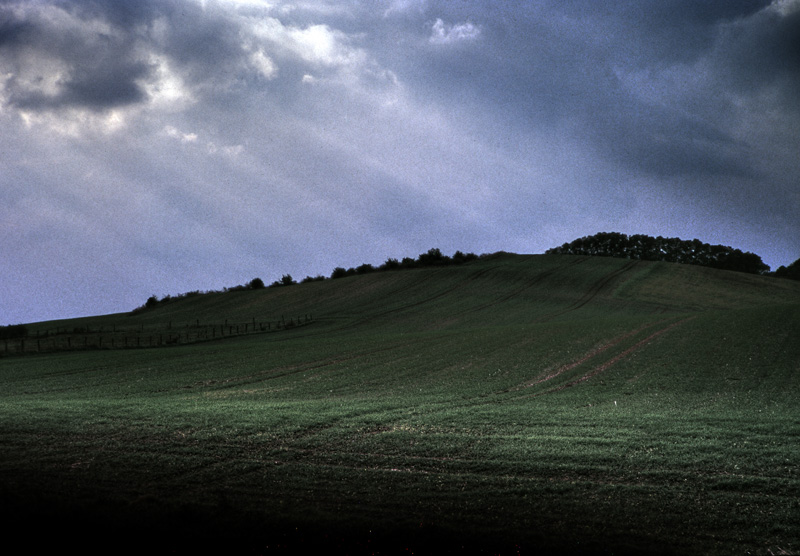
[
  {"x": 433, "y": 257},
  {"x": 669, "y": 249},
  {"x": 604, "y": 244}
]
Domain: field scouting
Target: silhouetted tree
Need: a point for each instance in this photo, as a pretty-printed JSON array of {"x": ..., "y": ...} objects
[
  {"x": 256, "y": 284},
  {"x": 408, "y": 262},
  {"x": 792, "y": 272},
  {"x": 390, "y": 264},
  {"x": 432, "y": 257}
]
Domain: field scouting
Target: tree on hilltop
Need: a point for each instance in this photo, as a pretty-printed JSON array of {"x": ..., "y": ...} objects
[
  {"x": 673, "y": 250},
  {"x": 256, "y": 284},
  {"x": 432, "y": 257},
  {"x": 286, "y": 280},
  {"x": 792, "y": 272}
]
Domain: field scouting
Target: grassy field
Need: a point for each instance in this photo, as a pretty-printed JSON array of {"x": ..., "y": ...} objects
[{"x": 516, "y": 404}]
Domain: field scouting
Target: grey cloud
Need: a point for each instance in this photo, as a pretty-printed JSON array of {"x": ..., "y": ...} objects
[
  {"x": 125, "y": 15},
  {"x": 204, "y": 42}
]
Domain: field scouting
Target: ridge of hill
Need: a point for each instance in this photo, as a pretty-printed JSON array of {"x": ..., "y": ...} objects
[{"x": 503, "y": 281}]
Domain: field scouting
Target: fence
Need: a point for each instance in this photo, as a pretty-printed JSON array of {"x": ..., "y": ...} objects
[{"x": 142, "y": 336}]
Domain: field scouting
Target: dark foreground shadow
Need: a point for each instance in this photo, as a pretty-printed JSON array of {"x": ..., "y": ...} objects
[{"x": 56, "y": 527}]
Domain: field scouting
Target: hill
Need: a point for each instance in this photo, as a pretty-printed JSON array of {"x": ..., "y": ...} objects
[{"x": 551, "y": 402}]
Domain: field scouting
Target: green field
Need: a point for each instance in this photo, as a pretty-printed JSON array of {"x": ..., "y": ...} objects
[{"x": 515, "y": 404}]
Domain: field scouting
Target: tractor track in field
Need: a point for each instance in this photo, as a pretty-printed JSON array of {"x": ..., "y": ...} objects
[
  {"x": 619, "y": 357},
  {"x": 463, "y": 283},
  {"x": 538, "y": 278},
  {"x": 602, "y": 367},
  {"x": 592, "y": 292},
  {"x": 439, "y": 295},
  {"x": 591, "y": 354},
  {"x": 288, "y": 370}
]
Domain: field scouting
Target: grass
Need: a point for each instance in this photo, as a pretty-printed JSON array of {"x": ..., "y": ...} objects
[{"x": 515, "y": 404}]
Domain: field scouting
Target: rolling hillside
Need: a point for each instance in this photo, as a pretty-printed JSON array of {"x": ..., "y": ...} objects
[{"x": 549, "y": 402}]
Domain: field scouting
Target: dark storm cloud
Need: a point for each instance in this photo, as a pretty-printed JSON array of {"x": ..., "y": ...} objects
[
  {"x": 99, "y": 55},
  {"x": 762, "y": 52},
  {"x": 570, "y": 62},
  {"x": 659, "y": 31},
  {"x": 55, "y": 62},
  {"x": 12, "y": 30},
  {"x": 124, "y": 15},
  {"x": 96, "y": 88}
]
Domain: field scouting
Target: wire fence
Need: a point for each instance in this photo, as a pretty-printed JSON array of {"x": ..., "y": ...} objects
[{"x": 143, "y": 335}]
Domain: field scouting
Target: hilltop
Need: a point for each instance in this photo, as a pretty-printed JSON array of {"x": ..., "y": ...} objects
[
  {"x": 487, "y": 283},
  {"x": 675, "y": 250},
  {"x": 548, "y": 402}
]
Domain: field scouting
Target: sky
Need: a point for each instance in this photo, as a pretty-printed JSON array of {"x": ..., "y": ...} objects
[{"x": 164, "y": 146}]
